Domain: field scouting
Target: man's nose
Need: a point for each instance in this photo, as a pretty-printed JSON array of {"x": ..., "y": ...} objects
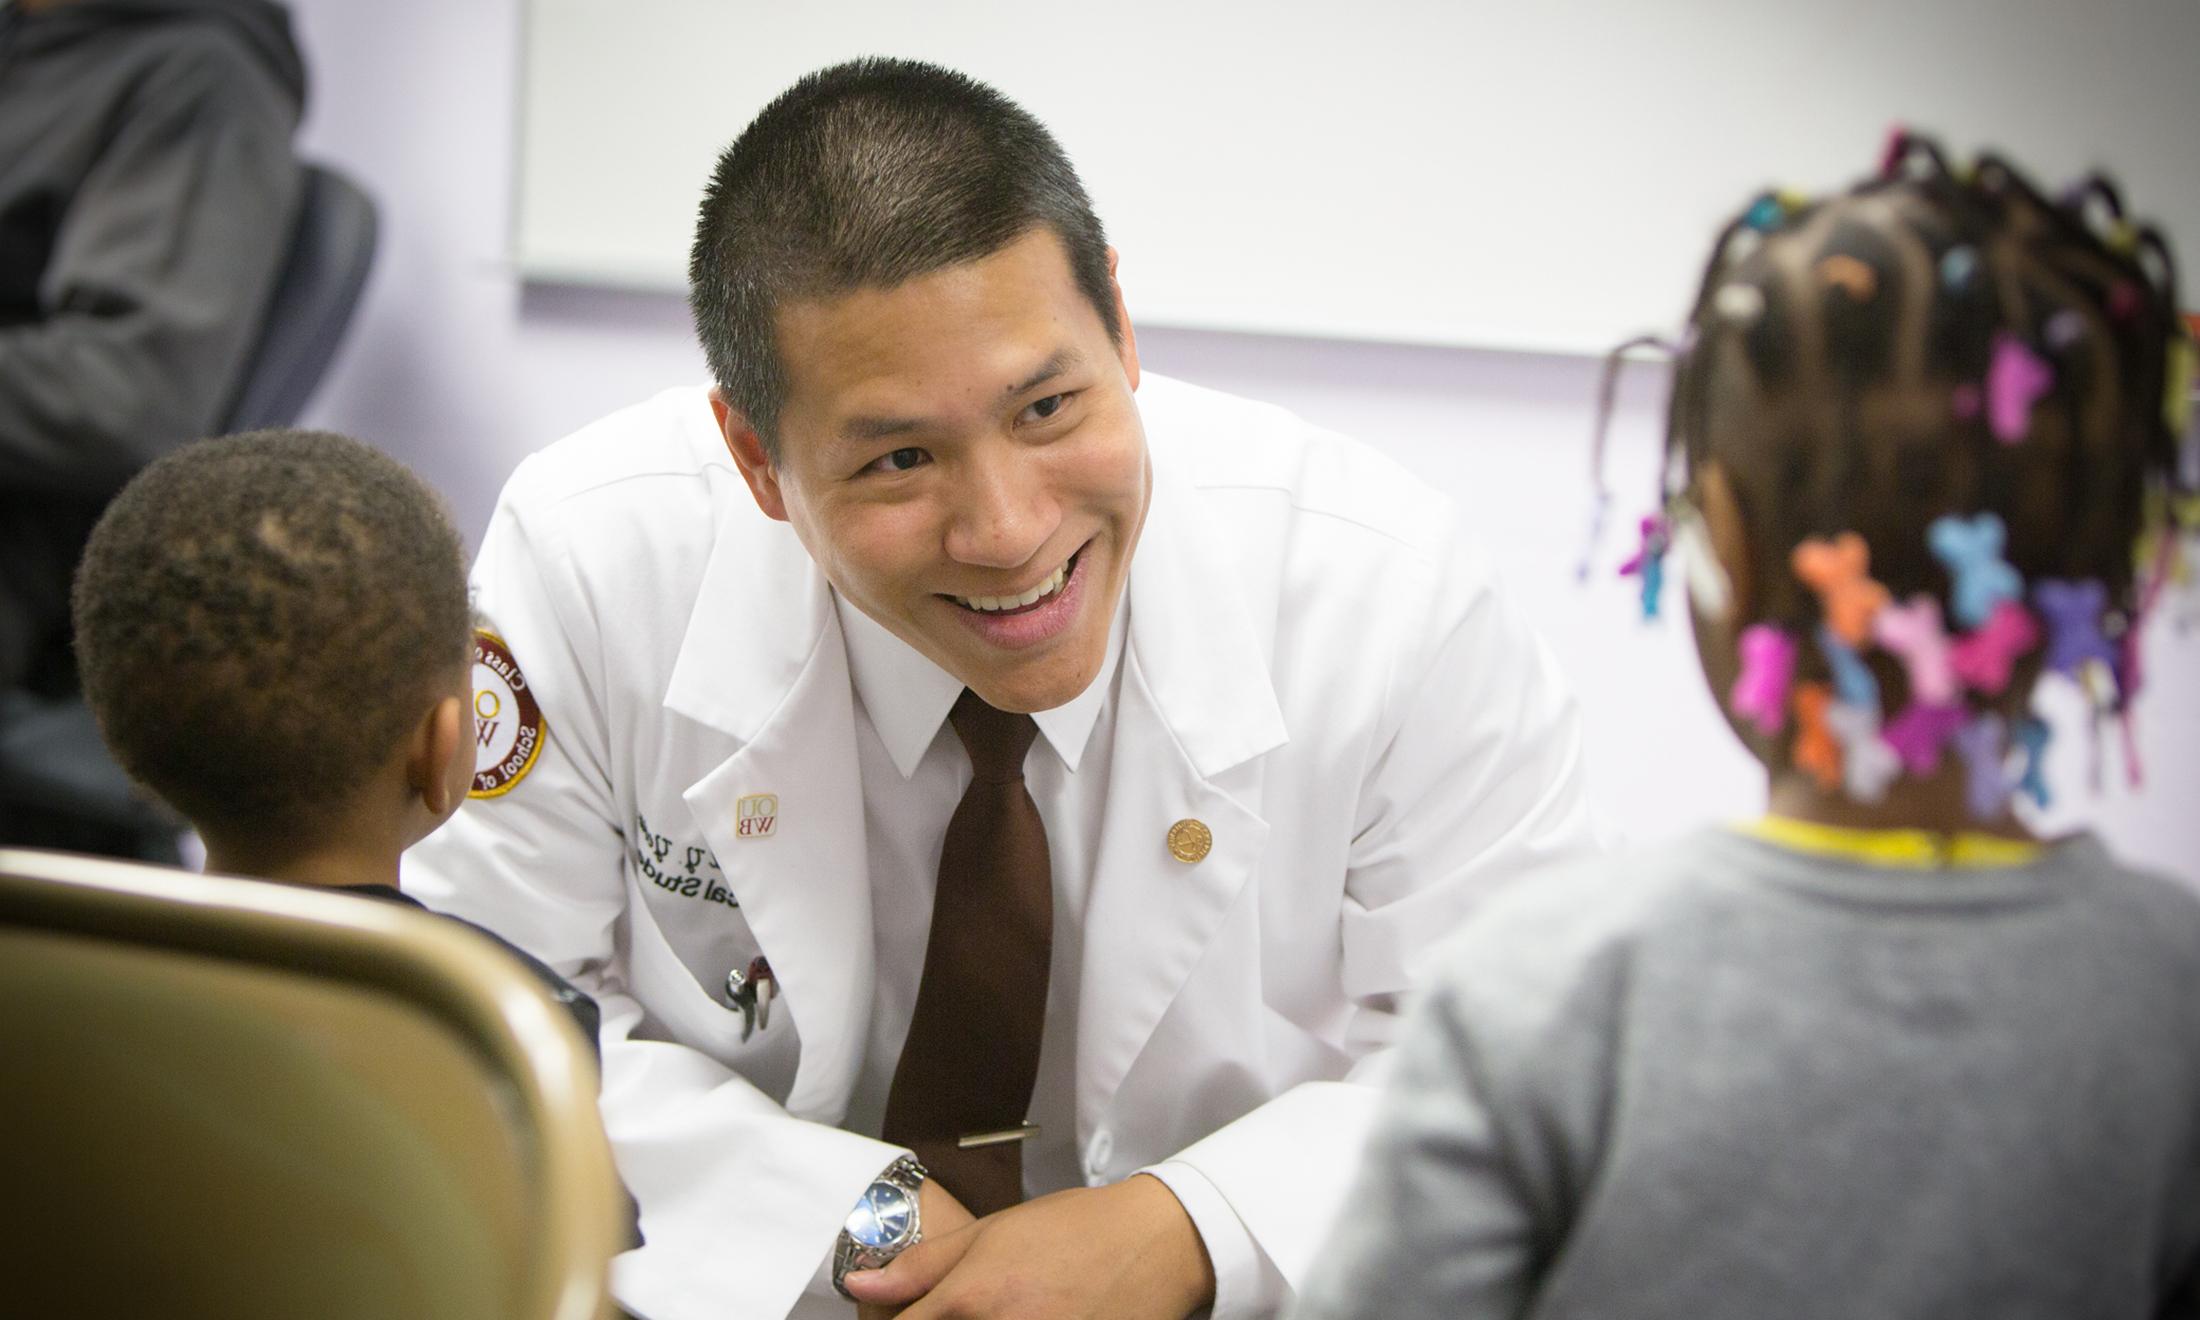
[{"x": 1004, "y": 512}]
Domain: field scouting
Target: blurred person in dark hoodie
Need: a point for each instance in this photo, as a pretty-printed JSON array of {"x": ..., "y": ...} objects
[{"x": 148, "y": 191}]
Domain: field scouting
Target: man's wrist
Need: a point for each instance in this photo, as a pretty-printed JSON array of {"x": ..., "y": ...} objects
[
  {"x": 884, "y": 1222},
  {"x": 1176, "y": 1238},
  {"x": 1247, "y": 1282}
]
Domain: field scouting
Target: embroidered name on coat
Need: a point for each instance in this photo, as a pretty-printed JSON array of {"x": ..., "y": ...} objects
[{"x": 688, "y": 870}]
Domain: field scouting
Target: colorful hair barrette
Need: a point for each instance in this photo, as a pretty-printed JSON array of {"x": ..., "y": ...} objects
[
  {"x": 1817, "y": 752},
  {"x": 1982, "y": 744},
  {"x": 1868, "y": 762},
  {"x": 1760, "y": 692},
  {"x": 1772, "y": 210},
  {"x": 2031, "y": 738},
  {"x": 1851, "y": 275},
  {"x": 2124, "y": 300},
  {"x": 1958, "y": 267},
  {"x": 1739, "y": 302},
  {"x": 2016, "y": 379},
  {"x": 1838, "y": 570},
  {"x": 2073, "y": 614},
  {"x": 1648, "y": 562},
  {"x": 2064, "y": 328},
  {"x": 1971, "y": 548},
  {"x": 1985, "y": 657},
  {"x": 1852, "y": 678},
  {"x": 1918, "y": 734},
  {"x": 1914, "y": 633}
]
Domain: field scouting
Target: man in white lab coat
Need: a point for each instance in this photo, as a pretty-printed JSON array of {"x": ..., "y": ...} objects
[{"x": 1286, "y": 736}]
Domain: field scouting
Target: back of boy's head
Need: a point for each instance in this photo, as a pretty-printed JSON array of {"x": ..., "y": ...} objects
[
  {"x": 262, "y": 619},
  {"x": 1910, "y": 362}
]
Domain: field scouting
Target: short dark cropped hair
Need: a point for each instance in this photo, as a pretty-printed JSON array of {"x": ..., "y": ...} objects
[
  {"x": 261, "y": 619},
  {"x": 865, "y": 175}
]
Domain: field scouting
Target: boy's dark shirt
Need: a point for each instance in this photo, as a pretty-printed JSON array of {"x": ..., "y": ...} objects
[{"x": 583, "y": 1009}]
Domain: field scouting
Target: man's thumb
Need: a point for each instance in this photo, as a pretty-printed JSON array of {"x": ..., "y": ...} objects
[{"x": 906, "y": 1277}]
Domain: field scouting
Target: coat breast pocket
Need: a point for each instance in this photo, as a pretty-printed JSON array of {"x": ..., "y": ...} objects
[{"x": 693, "y": 964}]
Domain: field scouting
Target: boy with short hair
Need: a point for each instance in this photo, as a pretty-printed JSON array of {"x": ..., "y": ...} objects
[{"x": 274, "y": 633}]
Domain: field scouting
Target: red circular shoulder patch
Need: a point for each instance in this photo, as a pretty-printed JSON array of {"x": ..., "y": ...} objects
[{"x": 508, "y": 725}]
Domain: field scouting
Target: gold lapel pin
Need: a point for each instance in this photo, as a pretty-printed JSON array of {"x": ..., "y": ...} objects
[
  {"x": 756, "y": 816},
  {"x": 1190, "y": 840}
]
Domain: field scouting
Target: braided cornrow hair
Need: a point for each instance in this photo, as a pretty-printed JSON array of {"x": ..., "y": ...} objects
[{"x": 1935, "y": 345}]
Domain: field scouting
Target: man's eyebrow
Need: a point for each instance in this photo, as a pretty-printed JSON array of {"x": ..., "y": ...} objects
[
  {"x": 864, "y": 430},
  {"x": 1063, "y": 360}
]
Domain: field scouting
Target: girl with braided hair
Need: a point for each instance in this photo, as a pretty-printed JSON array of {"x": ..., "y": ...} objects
[{"x": 1883, "y": 1053}]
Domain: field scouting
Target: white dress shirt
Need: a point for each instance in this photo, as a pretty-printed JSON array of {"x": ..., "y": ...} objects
[{"x": 914, "y": 771}]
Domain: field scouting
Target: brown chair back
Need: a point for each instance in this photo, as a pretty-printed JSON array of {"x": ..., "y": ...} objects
[{"x": 224, "y": 1097}]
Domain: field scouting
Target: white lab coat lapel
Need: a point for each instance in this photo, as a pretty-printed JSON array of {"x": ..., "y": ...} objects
[
  {"x": 1195, "y": 701},
  {"x": 763, "y": 661}
]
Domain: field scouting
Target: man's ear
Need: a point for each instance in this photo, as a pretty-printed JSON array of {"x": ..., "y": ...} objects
[
  {"x": 747, "y": 448},
  {"x": 440, "y": 749},
  {"x": 1128, "y": 349}
]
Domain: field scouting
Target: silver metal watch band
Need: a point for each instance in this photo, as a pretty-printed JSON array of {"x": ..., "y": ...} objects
[{"x": 906, "y": 1174}]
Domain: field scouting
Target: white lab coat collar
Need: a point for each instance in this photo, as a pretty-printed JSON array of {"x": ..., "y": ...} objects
[
  {"x": 1192, "y": 638},
  {"x": 761, "y": 613},
  {"x": 908, "y": 696}
]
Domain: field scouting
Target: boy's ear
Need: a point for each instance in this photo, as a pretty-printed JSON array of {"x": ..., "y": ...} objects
[
  {"x": 747, "y": 448},
  {"x": 440, "y": 768}
]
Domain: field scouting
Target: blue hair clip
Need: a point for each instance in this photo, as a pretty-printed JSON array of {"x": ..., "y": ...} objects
[
  {"x": 2031, "y": 738},
  {"x": 1852, "y": 678},
  {"x": 1972, "y": 550},
  {"x": 1648, "y": 562}
]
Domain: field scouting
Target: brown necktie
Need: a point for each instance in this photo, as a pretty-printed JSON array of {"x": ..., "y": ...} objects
[{"x": 972, "y": 1053}]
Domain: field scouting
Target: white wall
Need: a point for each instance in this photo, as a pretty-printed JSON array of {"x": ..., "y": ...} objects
[{"x": 460, "y": 369}]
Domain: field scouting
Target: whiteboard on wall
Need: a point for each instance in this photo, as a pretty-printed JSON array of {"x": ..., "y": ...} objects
[{"x": 1530, "y": 176}]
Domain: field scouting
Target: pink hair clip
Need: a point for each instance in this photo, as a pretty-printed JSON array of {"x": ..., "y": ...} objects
[
  {"x": 2016, "y": 379},
  {"x": 1984, "y": 657},
  {"x": 1768, "y": 665},
  {"x": 1914, "y": 633}
]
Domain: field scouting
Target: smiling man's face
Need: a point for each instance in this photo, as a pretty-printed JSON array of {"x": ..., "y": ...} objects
[{"x": 962, "y": 456}]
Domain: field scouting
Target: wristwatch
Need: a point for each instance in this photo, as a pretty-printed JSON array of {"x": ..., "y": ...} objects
[{"x": 885, "y": 1223}]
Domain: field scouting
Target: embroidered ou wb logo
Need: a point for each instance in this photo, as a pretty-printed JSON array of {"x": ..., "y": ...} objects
[
  {"x": 509, "y": 729},
  {"x": 755, "y": 816}
]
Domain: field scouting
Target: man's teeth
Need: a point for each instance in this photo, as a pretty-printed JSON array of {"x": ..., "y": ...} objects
[{"x": 994, "y": 604}]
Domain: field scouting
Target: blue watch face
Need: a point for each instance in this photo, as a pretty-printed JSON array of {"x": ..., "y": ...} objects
[{"x": 882, "y": 1217}]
